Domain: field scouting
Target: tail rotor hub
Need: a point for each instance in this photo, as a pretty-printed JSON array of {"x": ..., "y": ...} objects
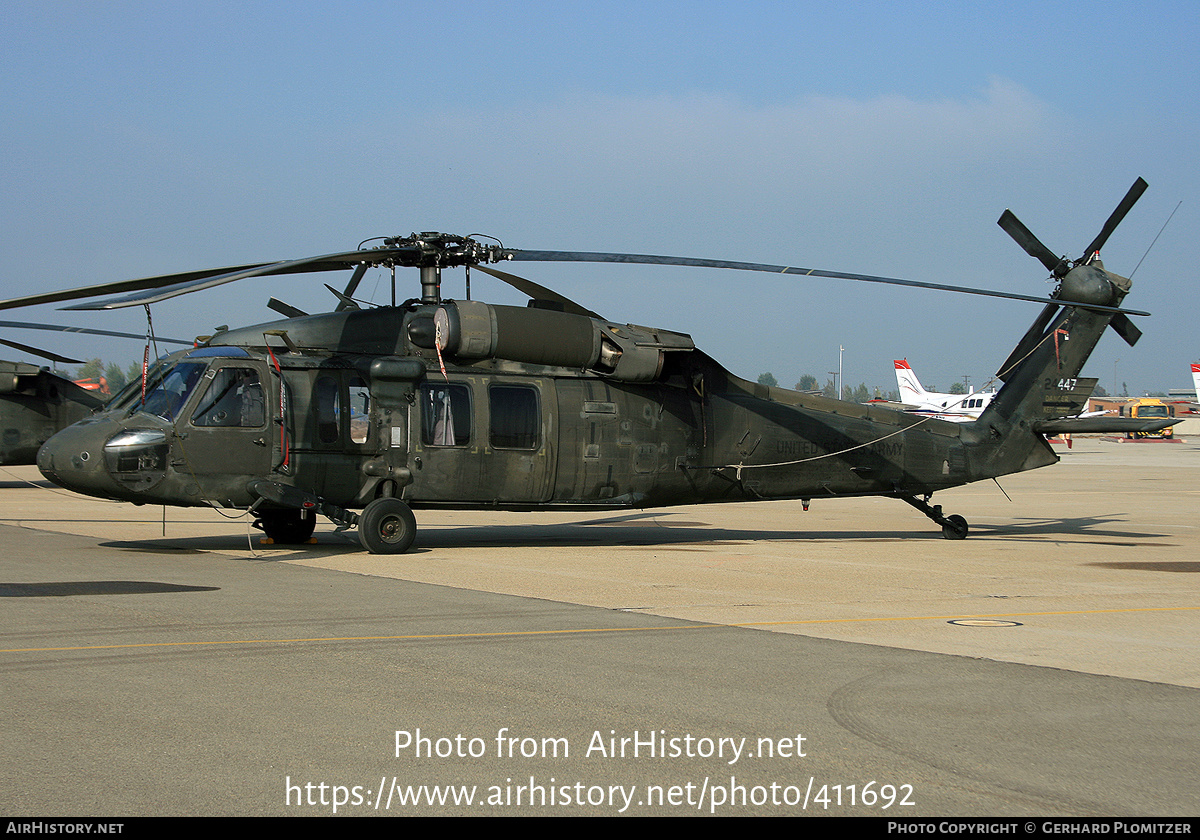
[{"x": 1088, "y": 284}]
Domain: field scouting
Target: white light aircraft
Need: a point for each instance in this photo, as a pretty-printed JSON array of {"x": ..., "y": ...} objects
[{"x": 958, "y": 408}]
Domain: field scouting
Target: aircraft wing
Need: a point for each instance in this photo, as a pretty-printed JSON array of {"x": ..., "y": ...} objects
[{"x": 898, "y": 406}]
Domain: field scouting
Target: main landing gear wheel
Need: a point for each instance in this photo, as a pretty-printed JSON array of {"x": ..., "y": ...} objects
[
  {"x": 387, "y": 526},
  {"x": 287, "y": 527},
  {"x": 955, "y": 528}
]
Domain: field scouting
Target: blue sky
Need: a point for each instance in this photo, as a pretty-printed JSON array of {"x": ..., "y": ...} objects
[{"x": 878, "y": 138}]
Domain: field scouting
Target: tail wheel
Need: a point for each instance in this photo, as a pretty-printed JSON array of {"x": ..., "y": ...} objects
[
  {"x": 955, "y": 528},
  {"x": 287, "y": 527},
  {"x": 387, "y": 526}
]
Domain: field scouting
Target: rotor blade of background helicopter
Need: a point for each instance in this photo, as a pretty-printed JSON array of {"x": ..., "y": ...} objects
[
  {"x": 45, "y": 354},
  {"x": 1131, "y": 197},
  {"x": 1025, "y": 238},
  {"x": 326, "y": 262},
  {"x": 646, "y": 259},
  {"x": 22, "y": 325},
  {"x": 537, "y": 292}
]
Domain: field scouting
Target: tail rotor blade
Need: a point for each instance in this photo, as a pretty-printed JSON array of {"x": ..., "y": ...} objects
[
  {"x": 1125, "y": 328},
  {"x": 1032, "y": 245},
  {"x": 1032, "y": 338},
  {"x": 1130, "y": 199}
]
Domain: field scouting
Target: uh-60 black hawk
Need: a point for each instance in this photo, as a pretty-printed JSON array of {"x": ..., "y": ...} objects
[{"x": 438, "y": 403}]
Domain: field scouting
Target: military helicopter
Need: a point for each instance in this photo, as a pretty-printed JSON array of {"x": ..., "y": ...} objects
[
  {"x": 440, "y": 403},
  {"x": 36, "y": 403}
]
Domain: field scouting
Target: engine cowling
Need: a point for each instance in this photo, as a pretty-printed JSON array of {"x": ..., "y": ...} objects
[{"x": 471, "y": 330}]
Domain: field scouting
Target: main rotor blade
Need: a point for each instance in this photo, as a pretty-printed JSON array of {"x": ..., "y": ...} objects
[
  {"x": 1130, "y": 199},
  {"x": 528, "y": 287},
  {"x": 120, "y": 286},
  {"x": 285, "y": 309},
  {"x": 345, "y": 300},
  {"x": 326, "y": 262},
  {"x": 646, "y": 259},
  {"x": 166, "y": 286},
  {"x": 1025, "y": 238},
  {"x": 22, "y": 325}
]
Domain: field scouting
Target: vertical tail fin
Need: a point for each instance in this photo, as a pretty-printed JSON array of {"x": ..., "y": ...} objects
[
  {"x": 1041, "y": 375},
  {"x": 910, "y": 387}
]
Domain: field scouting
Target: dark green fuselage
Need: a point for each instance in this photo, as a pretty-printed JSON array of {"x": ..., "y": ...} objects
[{"x": 347, "y": 408}]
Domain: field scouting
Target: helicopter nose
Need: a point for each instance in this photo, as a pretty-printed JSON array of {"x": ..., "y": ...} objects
[
  {"x": 73, "y": 459},
  {"x": 100, "y": 458}
]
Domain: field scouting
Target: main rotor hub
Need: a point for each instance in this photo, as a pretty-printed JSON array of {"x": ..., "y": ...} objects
[{"x": 440, "y": 250}]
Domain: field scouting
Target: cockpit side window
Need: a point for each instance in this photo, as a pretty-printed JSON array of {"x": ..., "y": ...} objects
[{"x": 234, "y": 398}]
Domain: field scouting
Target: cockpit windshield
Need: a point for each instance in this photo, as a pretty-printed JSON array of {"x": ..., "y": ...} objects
[
  {"x": 133, "y": 388},
  {"x": 167, "y": 397}
]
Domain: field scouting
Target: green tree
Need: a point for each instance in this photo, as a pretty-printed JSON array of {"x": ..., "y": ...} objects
[
  {"x": 807, "y": 382},
  {"x": 91, "y": 369},
  {"x": 768, "y": 379},
  {"x": 958, "y": 388},
  {"x": 115, "y": 376}
]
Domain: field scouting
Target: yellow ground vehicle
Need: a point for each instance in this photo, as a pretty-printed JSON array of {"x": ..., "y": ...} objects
[{"x": 1149, "y": 408}]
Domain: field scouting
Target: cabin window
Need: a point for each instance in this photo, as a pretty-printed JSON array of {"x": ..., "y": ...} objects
[
  {"x": 516, "y": 420},
  {"x": 328, "y": 408},
  {"x": 234, "y": 398},
  {"x": 445, "y": 414}
]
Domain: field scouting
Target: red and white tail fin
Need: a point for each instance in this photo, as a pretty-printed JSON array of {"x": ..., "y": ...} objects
[{"x": 911, "y": 390}]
